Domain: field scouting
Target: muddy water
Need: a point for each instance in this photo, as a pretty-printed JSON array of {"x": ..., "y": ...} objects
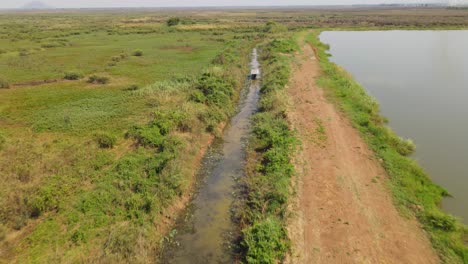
[
  {"x": 420, "y": 79},
  {"x": 206, "y": 231}
]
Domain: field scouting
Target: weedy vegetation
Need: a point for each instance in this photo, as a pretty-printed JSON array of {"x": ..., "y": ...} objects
[
  {"x": 267, "y": 185},
  {"x": 93, "y": 171},
  {"x": 103, "y": 116}
]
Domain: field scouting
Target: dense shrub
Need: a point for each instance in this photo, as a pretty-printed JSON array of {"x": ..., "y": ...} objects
[
  {"x": 216, "y": 89},
  {"x": 137, "y": 53},
  {"x": 105, "y": 140},
  {"x": 72, "y": 76},
  {"x": 265, "y": 242},
  {"x": 173, "y": 21},
  {"x": 98, "y": 79}
]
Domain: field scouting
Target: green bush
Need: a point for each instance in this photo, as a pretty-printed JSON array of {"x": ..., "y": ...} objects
[
  {"x": 137, "y": 53},
  {"x": 4, "y": 84},
  {"x": 173, "y": 21},
  {"x": 216, "y": 89},
  {"x": 48, "y": 198},
  {"x": 105, "y": 140},
  {"x": 72, "y": 76},
  {"x": 149, "y": 136},
  {"x": 265, "y": 242},
  {"x": 98, "y": 79},
  {"x": 405, "y": 147},
  {"x": 441, "y": 221}
]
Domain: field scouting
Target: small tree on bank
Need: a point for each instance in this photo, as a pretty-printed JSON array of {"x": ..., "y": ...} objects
[{"x": 173, "y": 21}]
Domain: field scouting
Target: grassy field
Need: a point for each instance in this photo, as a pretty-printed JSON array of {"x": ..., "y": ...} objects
[
  {"x": 104, "y": 116},
  {"x": 95, "y": 124}
]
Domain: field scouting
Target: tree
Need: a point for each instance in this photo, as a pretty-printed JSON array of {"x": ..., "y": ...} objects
[{"x": 173, "y": 21}]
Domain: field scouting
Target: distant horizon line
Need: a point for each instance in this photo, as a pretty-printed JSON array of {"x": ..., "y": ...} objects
[{"x": 221, "y": 6}]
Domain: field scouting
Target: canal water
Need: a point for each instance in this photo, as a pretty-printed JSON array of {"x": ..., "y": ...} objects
[
  {"x": 420, "y": 79},
  {"x": 206, "y": 231}
]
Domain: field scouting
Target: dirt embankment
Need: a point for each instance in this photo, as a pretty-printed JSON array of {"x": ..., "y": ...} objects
[{"x": 345, "y": 211}]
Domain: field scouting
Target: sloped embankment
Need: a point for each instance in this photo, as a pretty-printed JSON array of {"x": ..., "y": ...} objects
[{"x": 269, "y": 171}]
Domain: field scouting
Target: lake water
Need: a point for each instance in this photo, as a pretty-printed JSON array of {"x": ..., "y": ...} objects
[{"x": 420, "y": 79}]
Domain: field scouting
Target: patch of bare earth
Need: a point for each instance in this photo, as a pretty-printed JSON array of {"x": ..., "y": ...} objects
[{"x": 344, "y": 212}]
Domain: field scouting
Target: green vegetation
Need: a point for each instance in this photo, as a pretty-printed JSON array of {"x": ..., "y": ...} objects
[
  {"x": 137, "y": 53},
  {"x": 93, "y": 171},
  {"x": 413, "y": 190},
  {"x": 4, "y": 84},
  {"x": 173, "y": 21},
  {"x": 89, "y": 171},
  {"x": 105, "y": 140},
  {"x": 98, "y": 79},
  {"x": 272, "y": 145},
  {"x": 72, "y": 76}
]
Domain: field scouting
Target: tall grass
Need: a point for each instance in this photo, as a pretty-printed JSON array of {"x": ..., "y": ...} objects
[{"x": 413, "y": 191}]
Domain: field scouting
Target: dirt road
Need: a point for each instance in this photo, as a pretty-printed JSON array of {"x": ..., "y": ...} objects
[{"x": 345, "y": 212}]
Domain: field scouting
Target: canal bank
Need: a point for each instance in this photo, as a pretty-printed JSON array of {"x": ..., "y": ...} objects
[
  {"x": 205, "y": 232},
  {"x": 413, "y": 192}
]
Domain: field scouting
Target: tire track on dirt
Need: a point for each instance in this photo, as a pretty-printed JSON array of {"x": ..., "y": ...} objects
[{"x": 345, "y": 212}]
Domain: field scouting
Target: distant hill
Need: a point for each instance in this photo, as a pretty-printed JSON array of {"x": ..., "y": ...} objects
[{"x": 36, "y": 5}]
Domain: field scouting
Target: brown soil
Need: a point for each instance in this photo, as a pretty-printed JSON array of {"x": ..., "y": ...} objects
[
  {"x": 34, "y": 83},
  {"x": 345, "y": 212}
]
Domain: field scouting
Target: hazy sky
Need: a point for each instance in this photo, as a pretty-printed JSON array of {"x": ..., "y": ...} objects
[{"x": 166, "y": 3}]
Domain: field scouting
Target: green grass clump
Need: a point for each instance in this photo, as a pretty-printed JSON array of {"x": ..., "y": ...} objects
[
  {"x": 265, "y": 239},
  {"x": 283, "y": 46},
  {"x": 215, "y": 88},
  {"x": 72, "y": 76},
  {"x": 412, "y": 188},
  {"x": 137, "y": 53},
  {"x": 4, "y": 84},
  {"x": 268, "y": 186},
  {"x": 95, "y": 79},
  {"x": 105, "y": 140}
]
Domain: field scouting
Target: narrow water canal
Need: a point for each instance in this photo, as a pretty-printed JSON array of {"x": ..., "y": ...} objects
[{"x": 205, "y": 234}]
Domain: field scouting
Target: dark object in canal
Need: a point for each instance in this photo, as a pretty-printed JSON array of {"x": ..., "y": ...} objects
[{"x": 254, "y": 74}]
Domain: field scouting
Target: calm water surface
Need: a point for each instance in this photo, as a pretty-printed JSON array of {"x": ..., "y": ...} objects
[{"x": 420, "y": 79}]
